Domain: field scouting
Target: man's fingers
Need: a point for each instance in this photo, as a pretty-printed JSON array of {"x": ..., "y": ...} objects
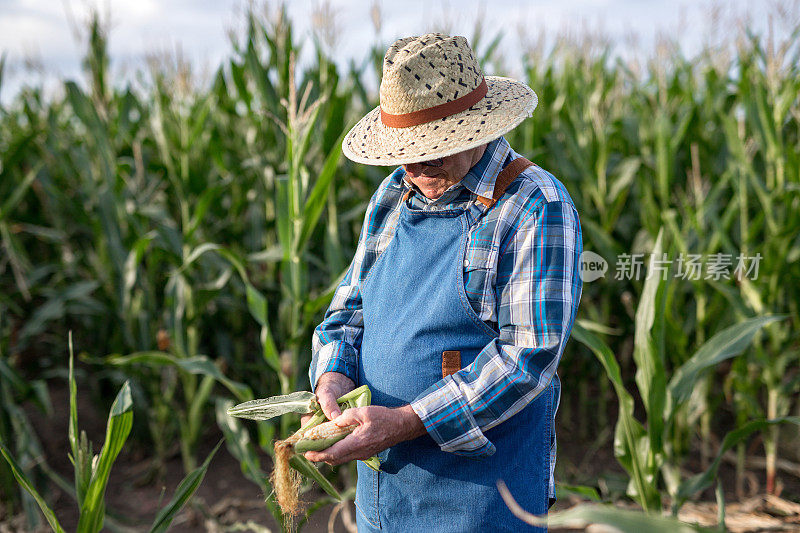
[
  {"x": 344, "y": 451},
  {"x": 327, "y": 401},
  {"x": 316, "y": 457},
  {"x": 349, "y": 417},
  {"x": 328, "y": 455}
]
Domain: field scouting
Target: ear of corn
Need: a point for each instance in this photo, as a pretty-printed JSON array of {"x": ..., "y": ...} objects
[
  {"x": 322, "y": 436},
  {"x": 318, "y": 433}
]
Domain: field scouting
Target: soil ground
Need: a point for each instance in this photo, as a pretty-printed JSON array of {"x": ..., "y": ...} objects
[{"x": 226, "y": 497}]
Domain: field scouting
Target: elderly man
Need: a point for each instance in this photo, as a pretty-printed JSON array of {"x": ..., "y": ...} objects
[{"x": 457, "y": 305}]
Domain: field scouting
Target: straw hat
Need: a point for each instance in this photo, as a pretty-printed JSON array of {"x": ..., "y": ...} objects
[{"x": 435, "y": 102}]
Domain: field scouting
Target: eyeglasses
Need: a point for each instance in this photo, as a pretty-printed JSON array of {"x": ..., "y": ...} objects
[{"x": 432, "y": 163}]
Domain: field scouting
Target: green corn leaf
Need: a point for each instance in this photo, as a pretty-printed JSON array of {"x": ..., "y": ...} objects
[
  {"x": 334, "y": 120},
  {"x": 273, "y": 254},
  {"x": 588, "y": 493},
  {"x": 591, "y": 325},
  {"x": 309, "y": 128},
  {"x": 41, "y": 396},
  {"x": 323, "y": 300},
  {"x": 626, "y": 172},
  {"x": 120, "y": 421},
  {"x": 270, "y": 351},
  {"x": 601, "y": 241},
  {"x": 81, "y": 448},
  {"x": 489, "y": 52},
  {"x": 55, "y": 307},
  {"x": 199, "y": 115},
  {"x": 12, "y": 378},
  {"x": 25, "y": 483},
  {"x": 728, "y": 343},
  {"x": 183, "y": 493},
  {"x": 237, "y": 74},
  {"x": 200, "y": 210},
  {"x": 266, "y": 408},
  {"x": 197, "y": 403},
  {"x": 629, "y": 435},
  {"x": 650, "y": 373},
  {"x": 129, "y": 272},
  {"x": 305, "y": 467},
  {"x": 81, "y": 105},
  {"x": 112, "y": 231},
  {"x": 649, "y": 356},
  {"x": 257, "y": 304},
  {"x": 19, "y": 191},
  {"x": 237, "y": 440},
  {"x": 319, "y": 194},
  {"x": 197, "y": 252},
  {"x": 260, "y": 76},
  {"x": 197, "y": 365}
]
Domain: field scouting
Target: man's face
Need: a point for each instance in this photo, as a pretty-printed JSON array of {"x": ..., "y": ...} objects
[{"x": 434, "y": 177}]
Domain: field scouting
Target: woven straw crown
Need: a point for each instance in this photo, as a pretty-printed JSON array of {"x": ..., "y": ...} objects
[
  {"x": 426, "y": 72},
  {"x": 434, "y": 102}
]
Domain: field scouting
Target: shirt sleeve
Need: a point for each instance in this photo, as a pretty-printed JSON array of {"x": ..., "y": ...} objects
[
  {"x": 337, "y": 340},
  {"x": 538, "y": 289}
]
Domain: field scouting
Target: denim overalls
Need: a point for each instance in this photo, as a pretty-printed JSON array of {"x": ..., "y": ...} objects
[{"x": 414, "y": 309}]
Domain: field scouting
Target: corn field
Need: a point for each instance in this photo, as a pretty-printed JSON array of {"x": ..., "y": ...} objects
[{"x": 190, "y": 237}]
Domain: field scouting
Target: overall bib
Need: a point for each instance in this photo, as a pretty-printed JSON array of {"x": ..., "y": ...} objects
[{"x": 415, "y": 308}]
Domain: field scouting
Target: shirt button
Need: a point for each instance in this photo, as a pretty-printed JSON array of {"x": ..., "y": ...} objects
[{"x": 466, "y": 262}]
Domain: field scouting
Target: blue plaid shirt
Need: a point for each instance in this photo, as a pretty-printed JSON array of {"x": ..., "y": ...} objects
[{"x": 522, "y": 277}]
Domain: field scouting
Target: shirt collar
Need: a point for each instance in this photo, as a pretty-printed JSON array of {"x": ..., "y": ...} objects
[{"x": 481, "y": 177}]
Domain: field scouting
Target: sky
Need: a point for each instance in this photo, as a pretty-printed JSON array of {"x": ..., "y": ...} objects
[{"x": 41, "y": 45}]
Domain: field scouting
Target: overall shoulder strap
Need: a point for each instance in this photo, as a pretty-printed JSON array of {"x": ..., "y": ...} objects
[
  {"x": 451, "y": 359},
  {"x": 504, "y": 179}
]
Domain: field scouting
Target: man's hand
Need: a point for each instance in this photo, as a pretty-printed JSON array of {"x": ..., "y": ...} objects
[
  {"x": 378, "y": 428},
  {"x": 330, "y": 386}
]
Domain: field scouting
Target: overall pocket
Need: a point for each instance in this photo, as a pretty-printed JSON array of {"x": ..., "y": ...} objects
[
  {"x": 367, "y": 494},
  {"x": 477, "y": 284}
]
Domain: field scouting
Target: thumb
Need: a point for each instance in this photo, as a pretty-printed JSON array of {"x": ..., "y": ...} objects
[
  {"x": 328, "y": 403},
  {"x": 349, "y": 417}
]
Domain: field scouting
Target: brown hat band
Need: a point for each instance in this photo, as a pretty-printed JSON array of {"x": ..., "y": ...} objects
[{"x": 446, "y": 109}]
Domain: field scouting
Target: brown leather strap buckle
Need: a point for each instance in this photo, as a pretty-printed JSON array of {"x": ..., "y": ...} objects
[{"x": 451, "y": 362}]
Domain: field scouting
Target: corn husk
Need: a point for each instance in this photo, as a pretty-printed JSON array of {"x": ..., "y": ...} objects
[{"x": 301, "y": 402}]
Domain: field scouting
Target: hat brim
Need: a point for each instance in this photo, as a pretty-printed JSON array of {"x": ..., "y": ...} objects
[{"x": 507, "y": 103}]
